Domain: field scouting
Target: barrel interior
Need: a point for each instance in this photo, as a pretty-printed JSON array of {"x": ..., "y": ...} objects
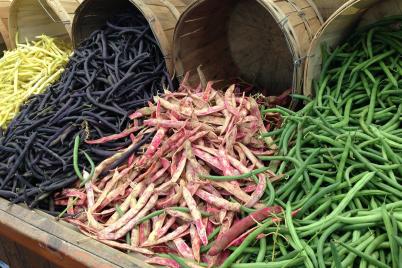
[
  {"x": 3, "y": 36},
  {"x": 3, "y": 46},
  {"x": 31, "y": 18},
  {"x": 93, "y": 14},
  {"x": 234, "y": 39}
]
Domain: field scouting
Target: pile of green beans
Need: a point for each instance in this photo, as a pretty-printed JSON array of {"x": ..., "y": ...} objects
[{"x": 342, "y": 159}]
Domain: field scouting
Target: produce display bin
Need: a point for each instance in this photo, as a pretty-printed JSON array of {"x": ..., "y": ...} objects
[
  {"x": 263, "y": 42},
  {"x": 161, "y": 16},
  {"x": 275, "y": 45},
  {"x": 31, "y": 238},
  {"x": 328, "y": 7},
  {"x": 340, "y": 25},
  {"x": 5, "y": 36},
  {"x": 30, "y": 18}
]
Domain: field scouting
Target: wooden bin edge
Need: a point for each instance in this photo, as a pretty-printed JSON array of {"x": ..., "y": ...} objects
[
  {"x": 314, "y": 53},
  {"x": 59, "y": 242}
]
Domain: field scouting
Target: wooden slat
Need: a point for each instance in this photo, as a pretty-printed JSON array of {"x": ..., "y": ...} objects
[
  {"x": 59, "y": 242},
  {"x": 265, "y": 42},
  {"x": 338, "y": 27},
  {"x": 16, "y": 256}
]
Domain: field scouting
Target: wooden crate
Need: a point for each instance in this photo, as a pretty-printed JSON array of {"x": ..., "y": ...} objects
[
  {"x": 31, "y": 238},
  {"x": 5, "y": 36}
]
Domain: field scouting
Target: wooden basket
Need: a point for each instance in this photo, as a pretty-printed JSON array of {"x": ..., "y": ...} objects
[
  {"x": 348, "y": 18},
  {"x": 31, "y": 18},
  {"x": 261, "y": 42},
  {"x": 5, "y": 37},
  {"x": 162, "y": 16},
  {"x": 328, "y": 7}
]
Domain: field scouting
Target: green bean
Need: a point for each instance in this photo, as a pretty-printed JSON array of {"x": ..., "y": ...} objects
[
  {"x": 272, "y": 133},
  {"x": 313, "y": 200},
  {"x": 245, "y": 258},
  {"x": 310, "y": 253},
  {"x": 323, "y": 238},
  {"x": 371, "y": 61},
  {"x": 323, "y": 126},
  {"x": 179, "y": 260},
  {"x": 252, "y": 250},
  {"x": 356, "y": 240},
  {"x": 346, "y": 115},
  {"x": 282, "y": 158},
  {"x": 286, "y": 190},
  {"x": 374, "y": 168},
  {"x": 243, "y": 208},
  {"x": 206, "y": 248},
  {"x": 387, "y": 72},
  {"x": 299, "y": 140},
  {"x": 369, "y": 42},
  {"x": 299, "y": 97},
  {"x": 285, "y": 137},
  {"x": 341, "y": 206},
  {"x": 392, "y": 155},
  {"x": 271, "y": 195},
  {"x": 390, "y": 233},
  {"x": 329, "y": 61},
  {"x": 373, "y": 246},
  {"x": 342, "y": 74},
  {"x": 373, "y": 98},
  {"x": 364, "y": 256},
  {"x": 335, "y": 256},
  {"x": 262, "y": 251},
  {"x": 324, "y": 206},
  {"x": 121, "y": 213},
  {"x": 373, "y": 217},
  {"x": 75, "y": 157},
  {"x": 214, "y": 233},
  {"x": 326, "y": 139},
  {"x": 295, "y": 237},
  {"x": 279, "y": 109},
  {"x": 393, "y": 120},
  {"x": 161, "y": 211},
  {"x": 237, "y": 177},
  {"x": 314, "y": 189},
  {"x": 359, "y": 194},
  {"x": 249, "y": 239},
  {"x": 91, "y": 162},
  {"x": 342, "y": 162},
  {"x": 321, "y": 89},
  {"x": 277, "y": 264}
]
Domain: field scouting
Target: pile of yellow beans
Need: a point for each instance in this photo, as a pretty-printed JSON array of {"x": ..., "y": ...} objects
[{"x": 29, "y": 69}]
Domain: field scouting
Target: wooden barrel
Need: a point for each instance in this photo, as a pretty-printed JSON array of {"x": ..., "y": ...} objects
[
  {"x": 328, "y": 7},
  {"x": 162, "y": 16},
  {"x": 262, "y": 42},
  {"x": 5, "y": 37},
  {"x": 340, "y": 25},
  {"x": 30, "y": 18}
]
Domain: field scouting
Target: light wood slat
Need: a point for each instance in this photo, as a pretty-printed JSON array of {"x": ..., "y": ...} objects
[
  {"x": 339, "y": 26},
  {"x": 263, "y": 42},
  {"x": 58, "y": 242}
]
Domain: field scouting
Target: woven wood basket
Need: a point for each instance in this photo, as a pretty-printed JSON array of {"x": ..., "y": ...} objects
[
  {"x": 328, "y": 7},
  {"x": 262, "y": 42},
  {"x": 31, "y": 18},
  {"x": 5, "y": 36},
  {"x": 348, "y": 18},
  {"x": 162, "y": 16}
]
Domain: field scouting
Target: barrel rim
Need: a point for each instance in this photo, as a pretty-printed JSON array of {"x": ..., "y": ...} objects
[
  {"x": 313, "y": 61},
  {"x": 293, "y": 48},
  {"x": 13, "y": 20},
  {"x": 152, "y": 19}
]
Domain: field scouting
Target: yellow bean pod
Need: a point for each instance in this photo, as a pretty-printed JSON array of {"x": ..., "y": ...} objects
[{"x": 29, "y": 69}]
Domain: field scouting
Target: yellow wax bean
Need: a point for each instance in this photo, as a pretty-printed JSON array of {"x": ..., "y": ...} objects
[{"x": 29, "y": 69}]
